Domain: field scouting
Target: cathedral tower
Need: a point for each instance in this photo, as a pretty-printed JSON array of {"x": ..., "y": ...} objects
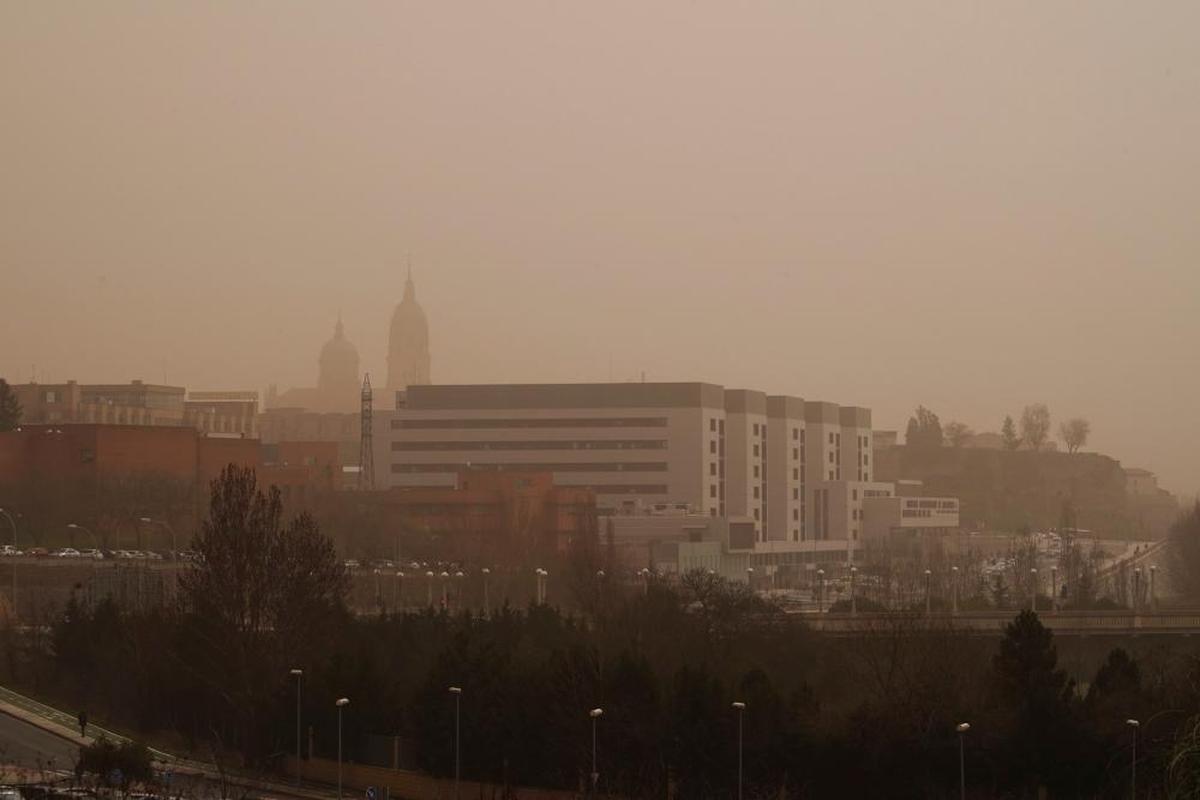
[{"x": 408, "y": 343}]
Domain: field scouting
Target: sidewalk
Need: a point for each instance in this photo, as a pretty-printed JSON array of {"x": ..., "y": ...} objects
[{"x": 65, "y": 726}]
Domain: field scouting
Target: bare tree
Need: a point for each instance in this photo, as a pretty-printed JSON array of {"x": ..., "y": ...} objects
[
  {"x": 1074, "y": 433},
  {"x": 957, "y": 433},
  {"x": 1035, "y": 425}
]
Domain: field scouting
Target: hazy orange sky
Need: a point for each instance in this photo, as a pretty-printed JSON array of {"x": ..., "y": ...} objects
[{"x": 968, "y": 205}]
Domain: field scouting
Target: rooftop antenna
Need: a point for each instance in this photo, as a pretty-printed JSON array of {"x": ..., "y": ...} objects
[{"x": 366, "y": 453}]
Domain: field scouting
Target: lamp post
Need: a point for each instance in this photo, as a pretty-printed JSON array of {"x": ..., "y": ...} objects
[
  {"x": 487, "y": 612},
  {"x": 1153, "y": 601},
  {"x": 170, "y": 530},
  {"x": 928, "y": 593},
  {"x": 1137, "y": 587},
  {"x": 445, "y": 589},
  {"x": 541, "y": 585},
  {"x": 962, "y": 729},
  {"x": 954, "y": 590},
  {"x": 457, "y": 692},
  {"x": 821, "y": 590},
  {"x": 645, "y": 573},
  {"x": 341, "y": 703},
  {"x": 13, "y": 525},
  {"x": 458, "y": 583},
  {"x": 1033, "y": 587},
  {"x": 429, "y": 588},
  {"x": 750, "y": 578},
  {"x": 1054, "y": 589},
  {"x": 1133, "y": 723},
  {"x": 399, "y": 589},
  {"x": 595, "y": 714},
  {"x": 297, "y": 674},
  {"x": 853, "y": 596},
  {"x": 740, "y": 707}
]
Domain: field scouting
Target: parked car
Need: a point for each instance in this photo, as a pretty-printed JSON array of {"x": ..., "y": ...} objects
[
  {"x": 152, "y": 555},
  {"x": 91, "y": 553},
  {"x": 67, "y": 552},
  {"x": 351, "y": 563},
  {"x": 37, "y": 552},
  {"x": 9, "y": 550}
]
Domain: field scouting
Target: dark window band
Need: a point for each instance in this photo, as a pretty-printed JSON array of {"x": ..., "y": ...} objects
[
  {"x": 539, "y": 422},
  {"x": 590, "y": 444}
]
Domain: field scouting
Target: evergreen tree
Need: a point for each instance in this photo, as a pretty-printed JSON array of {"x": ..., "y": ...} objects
[
  {"x": 1008, "y": 434},
  {"x": 10, "y": 409}
]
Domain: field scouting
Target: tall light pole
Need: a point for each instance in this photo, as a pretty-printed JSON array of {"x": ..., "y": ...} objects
[
  {"x": 445, "y": 589},
  {"x": 429, "y": 588},
  {"x": 170, "y": 530},
  {"x": 821, "y": 595},
  {"x": 853, "y": 596},
  {"x": 954, "y": 590},
  {"x": 341, "y": 703},
  {"x": 457, "y": 692},
  {"x": 399, "y": 589},
  {"x": 1033, "y": 587},
  {"x": 1133, "y": 723},
  {"x": 487, "y": 612},
  {"x": 1054, "y": 589},
  {"x": 740, "y": 707},
  {"x": 13, "y": 525},
  {"x": 962, "y": 729},
  {"x": 458, "y": 584},
  {"x": 595, "y": 714},
  {"x": 928, "y": 593},
  {"x": 1153, "y": 602},
  {"x": 1137, "y": 587},
  {"x": 297, "y": 674}
]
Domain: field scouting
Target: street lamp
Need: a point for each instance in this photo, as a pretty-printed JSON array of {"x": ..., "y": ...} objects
[
  {"x": 1033, "y": 587},
  {"x": 1054, "y": 589},
  {"x": 853, "y": 596},
  {"x": 341, "y": 703},
  {"x": 1137, "y": 587},
  {"x": 13, "y": 525},
  {"x": 429, "y": 588},
  {"x": 457, "y": 692},
  {"x": 821, "y": 596},
  {"x": 740, "y": 707},
  {"x": 1153, "y": 603},
  {"x": 486, "y": 606},
  {"x": 399, "y": 590},
  {"x": 170, "y": 530},
  {"x": 297, "y": 674},
  {"x": 954, "y": 590},
  {"x": 928, "y": 593},
  {"x": 1133, "y": 723},
  {"x": 595, "y": 714},
  {"x": 541, "y": 585},
  {"x": 962, "y": 729},
  {"x": 445, "y": 589}
]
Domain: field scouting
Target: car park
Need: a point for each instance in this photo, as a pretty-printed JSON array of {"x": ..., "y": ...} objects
[{"x": 67, "y": 552}]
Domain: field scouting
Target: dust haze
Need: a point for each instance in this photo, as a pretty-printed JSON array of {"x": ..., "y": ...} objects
[{"x": 969, "y": 206}]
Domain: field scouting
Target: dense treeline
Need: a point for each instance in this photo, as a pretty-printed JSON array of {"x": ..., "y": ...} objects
[{"x": 866, "y": 716}]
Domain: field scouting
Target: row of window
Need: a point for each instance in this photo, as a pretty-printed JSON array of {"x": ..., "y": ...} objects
[
  {"x": 610, "y": 466},
  {"x": 585, "y": 444},
  {"x": 540, "y": 422}
]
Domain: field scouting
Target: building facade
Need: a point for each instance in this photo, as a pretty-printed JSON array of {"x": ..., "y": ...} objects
[{"x": 796, "y": 471}]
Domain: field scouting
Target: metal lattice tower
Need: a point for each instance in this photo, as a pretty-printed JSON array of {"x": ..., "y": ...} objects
[{"x": 366, "y": 452}]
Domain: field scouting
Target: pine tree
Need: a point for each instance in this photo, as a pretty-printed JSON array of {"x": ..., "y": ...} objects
[
  {"x": 1008, "y": 434},
  {"x": 10, "y": 409}
]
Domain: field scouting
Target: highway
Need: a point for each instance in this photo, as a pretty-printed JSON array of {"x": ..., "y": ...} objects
[{"x": 26, "y": 745}]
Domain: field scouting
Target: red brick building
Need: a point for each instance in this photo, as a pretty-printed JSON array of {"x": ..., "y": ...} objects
[{"x": 498, "y": 514}]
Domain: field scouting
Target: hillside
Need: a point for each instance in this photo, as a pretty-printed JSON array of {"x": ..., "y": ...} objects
[{"x": 1006, "y": 490}]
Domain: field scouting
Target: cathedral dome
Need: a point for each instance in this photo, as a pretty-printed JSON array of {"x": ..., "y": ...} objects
[
  {"x": 408, "y": 342},
  {"x": 338, "y": 363}
]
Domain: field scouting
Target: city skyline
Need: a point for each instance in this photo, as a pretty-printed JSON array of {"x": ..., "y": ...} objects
[{"x": 802, "y": 199}]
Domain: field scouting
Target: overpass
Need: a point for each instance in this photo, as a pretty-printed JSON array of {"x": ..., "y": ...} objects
[{"x": 1122, "y": 622}]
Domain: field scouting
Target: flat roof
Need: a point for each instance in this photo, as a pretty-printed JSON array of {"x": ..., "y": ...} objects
[{"x": 565, "y": 395}]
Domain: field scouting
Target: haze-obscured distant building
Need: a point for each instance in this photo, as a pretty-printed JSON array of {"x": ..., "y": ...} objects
[
  {"x": 338, "y": 380},
  {"x": 408, "y": 344},
  {"x": 1152, "y": 509},
  {"x": 134, "y": 403},
  {"x": 785, "y": 478},
  {"x": 222, "y": 412}
]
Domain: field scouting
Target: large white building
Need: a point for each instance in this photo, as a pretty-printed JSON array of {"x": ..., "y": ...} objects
[{"x": 798, "y": 470}]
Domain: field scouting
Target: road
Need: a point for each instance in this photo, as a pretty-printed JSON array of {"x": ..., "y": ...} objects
[{"x": 27, "y": 745}]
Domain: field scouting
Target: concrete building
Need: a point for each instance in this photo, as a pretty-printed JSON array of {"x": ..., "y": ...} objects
[
  {"x": 796, "y": 471},
  {"x": 222, "y": 412},
  {"x": 134, "y": 403}
]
